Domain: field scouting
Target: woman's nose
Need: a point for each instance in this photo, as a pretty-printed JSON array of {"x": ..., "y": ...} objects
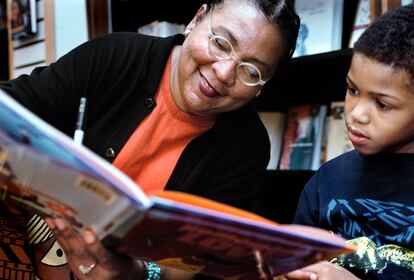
[{"x": 226, "y": 71}]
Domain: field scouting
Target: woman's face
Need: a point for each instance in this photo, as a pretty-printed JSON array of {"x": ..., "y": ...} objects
[{"x": 204, "y": 85}]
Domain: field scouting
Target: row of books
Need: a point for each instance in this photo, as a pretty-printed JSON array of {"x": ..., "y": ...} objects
[
  {"x": 306, "y": 136},
  {"x": 322, "y": 24}
]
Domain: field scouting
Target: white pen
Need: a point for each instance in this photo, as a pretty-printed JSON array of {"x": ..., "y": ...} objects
[{"x": 78, "y": 136}]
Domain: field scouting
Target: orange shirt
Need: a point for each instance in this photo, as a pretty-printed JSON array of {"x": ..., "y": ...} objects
[{"x": 152, "y": 151}]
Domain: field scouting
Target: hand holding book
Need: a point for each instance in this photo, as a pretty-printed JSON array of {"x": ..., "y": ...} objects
[{"x": 87, "y": 256}]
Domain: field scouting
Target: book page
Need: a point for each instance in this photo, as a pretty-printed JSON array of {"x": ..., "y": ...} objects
[
  {"x": 45, "y": 170},
  {"x": 191, "y": 233}
]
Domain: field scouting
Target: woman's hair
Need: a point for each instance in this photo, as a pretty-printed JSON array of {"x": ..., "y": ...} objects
[
  {"x": 390, "y": 39},
  {"x": 282, "y": 14}
]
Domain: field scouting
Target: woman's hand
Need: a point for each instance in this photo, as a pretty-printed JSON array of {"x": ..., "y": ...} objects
[
  {"x": 321, "y": 271},
  {"x": 89, "y": 259}
]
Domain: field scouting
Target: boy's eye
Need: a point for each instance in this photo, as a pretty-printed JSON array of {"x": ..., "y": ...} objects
[
  {"x": 383, "y": 106},
  {"x": 351, "y": 90}
]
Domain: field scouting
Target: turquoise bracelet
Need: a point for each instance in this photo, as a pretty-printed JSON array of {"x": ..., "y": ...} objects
[{"x": 153, "y": 271}]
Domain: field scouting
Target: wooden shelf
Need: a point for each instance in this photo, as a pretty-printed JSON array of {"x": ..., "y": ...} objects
[
  {"x": 129, "y": 15},
  {"x": 308, "y": 79}
]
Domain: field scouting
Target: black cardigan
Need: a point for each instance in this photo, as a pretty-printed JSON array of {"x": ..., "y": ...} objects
[{"x": 119, "y": 74}]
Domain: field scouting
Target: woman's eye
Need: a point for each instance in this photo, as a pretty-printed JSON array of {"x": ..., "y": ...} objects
[
  {"x": 222, "y": 44},
  {"x": 252, "y": 72}
]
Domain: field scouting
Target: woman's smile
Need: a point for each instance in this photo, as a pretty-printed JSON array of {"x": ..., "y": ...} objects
[{"x": 206, "y": 89}]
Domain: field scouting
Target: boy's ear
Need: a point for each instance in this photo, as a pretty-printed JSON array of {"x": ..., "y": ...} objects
[{"x": 198, "y": 17}]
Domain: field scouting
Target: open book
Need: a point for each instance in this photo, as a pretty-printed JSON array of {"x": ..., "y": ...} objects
[{"x": 45, "y": 170}]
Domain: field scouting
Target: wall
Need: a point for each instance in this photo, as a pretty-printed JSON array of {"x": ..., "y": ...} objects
[
  {"x": 71, "y": 26},
  {"x": 62, "y": 25}
]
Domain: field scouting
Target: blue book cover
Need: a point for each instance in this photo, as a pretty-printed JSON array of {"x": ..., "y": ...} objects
[{"x": 302, "y": 141}]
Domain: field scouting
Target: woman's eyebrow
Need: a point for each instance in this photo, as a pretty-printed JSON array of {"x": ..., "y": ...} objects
[{"x": 235, "y": 43}]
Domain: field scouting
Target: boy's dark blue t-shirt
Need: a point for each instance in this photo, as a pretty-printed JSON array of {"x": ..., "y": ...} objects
[{"x": 366, "y": 196}]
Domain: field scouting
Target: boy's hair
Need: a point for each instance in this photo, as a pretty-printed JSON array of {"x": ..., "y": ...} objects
[{"x": 390, "y": 39}]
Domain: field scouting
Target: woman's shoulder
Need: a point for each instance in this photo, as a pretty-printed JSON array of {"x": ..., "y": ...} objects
[
  {"x": 132, "y": 40},
  {"x": 122, "y": 39}
]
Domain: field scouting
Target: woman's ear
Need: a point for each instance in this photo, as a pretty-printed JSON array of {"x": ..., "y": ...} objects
[{"x": 198, "y": 17}]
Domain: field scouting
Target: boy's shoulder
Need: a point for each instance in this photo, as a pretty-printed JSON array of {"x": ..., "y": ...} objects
[
  {"x": 353, "y": 165},
  {"x": 347, "y": 158}
]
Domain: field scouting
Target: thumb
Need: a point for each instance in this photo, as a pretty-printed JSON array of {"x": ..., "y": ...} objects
[
  {"x": 115, "y": 262},
  {"x": 301, "y": 274},
  {"x": 96, "y": 248}
]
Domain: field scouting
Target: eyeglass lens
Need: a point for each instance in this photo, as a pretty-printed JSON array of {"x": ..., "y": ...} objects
[{"x": 221, "y": 48}]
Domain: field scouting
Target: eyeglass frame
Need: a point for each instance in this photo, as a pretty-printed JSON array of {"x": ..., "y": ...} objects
[{"x": 233, "y": 55}]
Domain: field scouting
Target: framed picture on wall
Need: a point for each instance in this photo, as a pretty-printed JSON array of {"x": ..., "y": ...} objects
[
  {"x": 23, "y": 18},
  {"x": 321, "y": 26}
]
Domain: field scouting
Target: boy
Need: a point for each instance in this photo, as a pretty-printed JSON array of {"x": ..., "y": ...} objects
[{"x": 367, "y": 195}]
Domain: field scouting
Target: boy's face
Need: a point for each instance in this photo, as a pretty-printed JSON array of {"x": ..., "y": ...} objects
[{"x": 379, "y": 107}]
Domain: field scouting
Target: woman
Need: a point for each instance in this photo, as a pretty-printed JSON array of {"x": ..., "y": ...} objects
[{"x": 171, "y": 113}]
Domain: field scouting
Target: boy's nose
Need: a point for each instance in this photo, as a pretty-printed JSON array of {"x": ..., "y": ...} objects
[{"x": 360, "y": 113}]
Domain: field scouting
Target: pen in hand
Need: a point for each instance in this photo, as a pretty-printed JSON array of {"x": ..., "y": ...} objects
[{"x": 78, "y": 136}]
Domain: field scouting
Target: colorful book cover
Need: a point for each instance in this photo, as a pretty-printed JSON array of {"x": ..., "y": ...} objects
[
  {"x": 302, "y": 141},
  {"x": 45, "y": 170}
]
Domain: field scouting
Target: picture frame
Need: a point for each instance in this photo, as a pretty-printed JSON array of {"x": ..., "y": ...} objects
[
  {"x": 23, "y": 18},
  {"x": 362, "y": 20},
  {"x": 321, "y": 26}
]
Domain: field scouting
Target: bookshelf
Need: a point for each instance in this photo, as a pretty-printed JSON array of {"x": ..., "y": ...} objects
[
  {"x": 25, "y": 54},
  {"x": 308, "y": 79},
  {"x": 318, "y": 78},
  {"x": 313, "y": 78},
  {"x": 128, "y": 15}
]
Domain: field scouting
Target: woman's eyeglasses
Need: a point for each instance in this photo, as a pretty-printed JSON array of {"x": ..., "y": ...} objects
[{"x": 222, "y": 49}]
